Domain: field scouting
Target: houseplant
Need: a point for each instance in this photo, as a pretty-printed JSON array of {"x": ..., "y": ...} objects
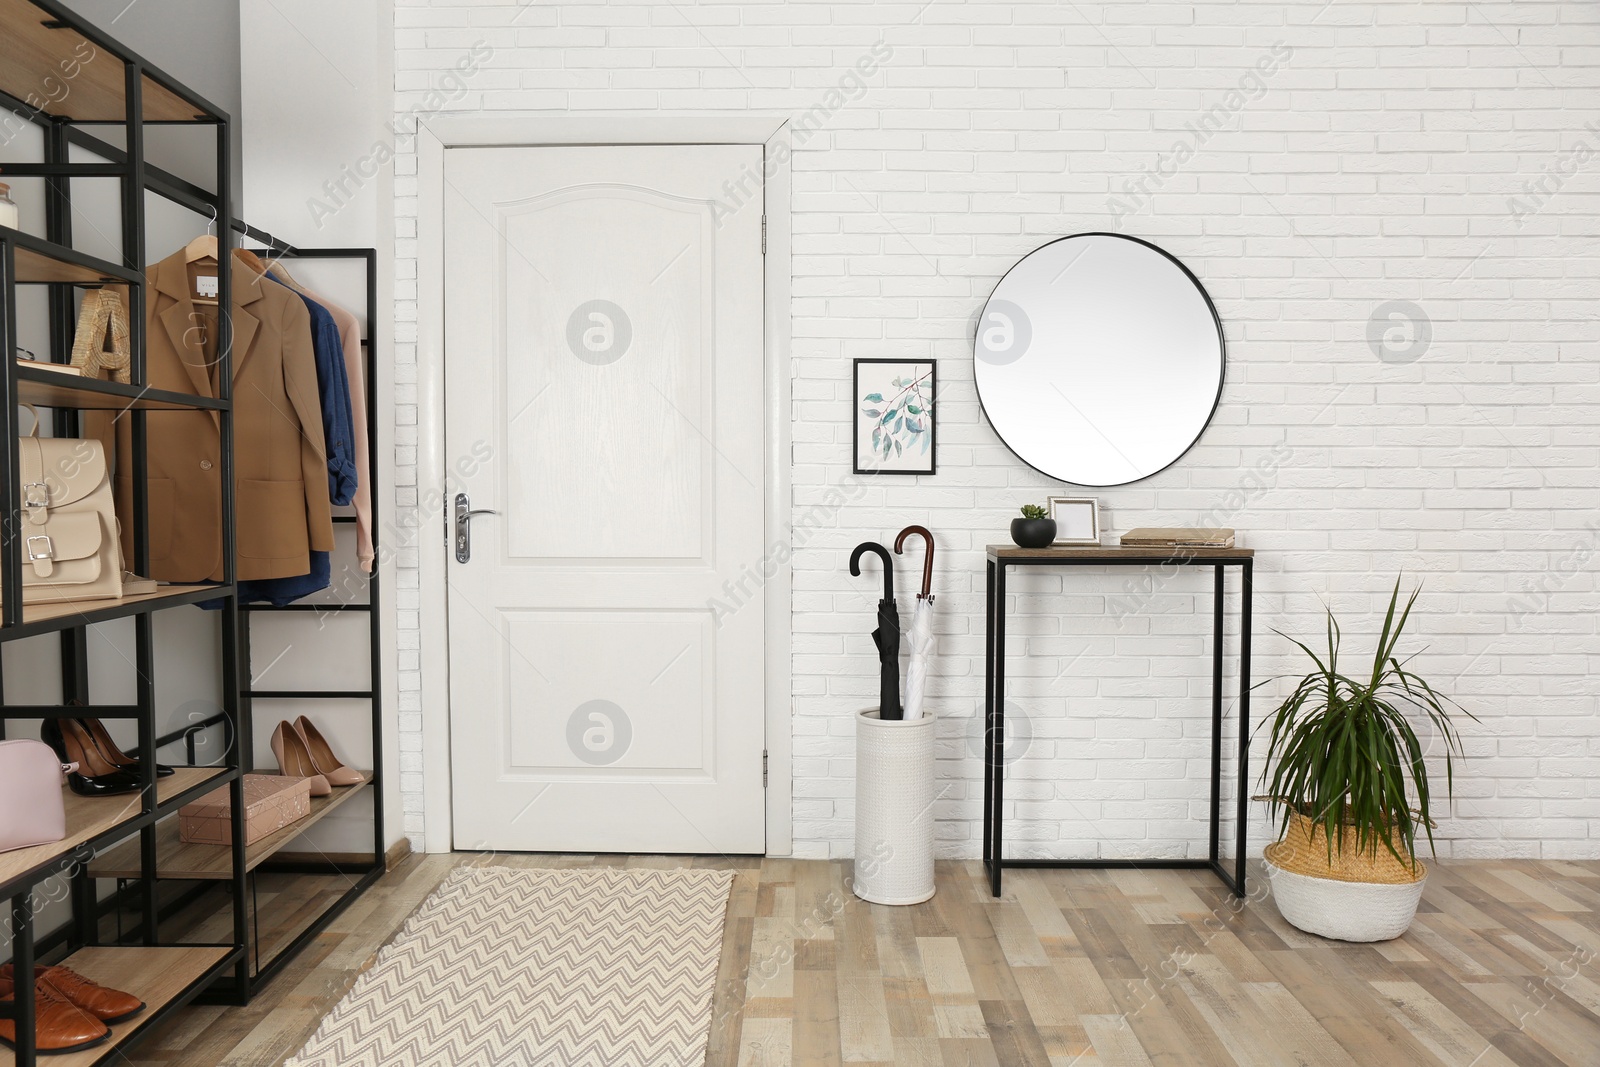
[
  {"x": 1348, "y": 774},
  {"x": 1036, "y": 529}
]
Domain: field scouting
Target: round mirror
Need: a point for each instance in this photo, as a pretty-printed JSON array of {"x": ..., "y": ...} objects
[{"x": 1098, "y": 359}]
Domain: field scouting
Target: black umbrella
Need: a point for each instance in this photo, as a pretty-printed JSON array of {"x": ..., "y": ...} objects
[{"x": 887, "y": 635}]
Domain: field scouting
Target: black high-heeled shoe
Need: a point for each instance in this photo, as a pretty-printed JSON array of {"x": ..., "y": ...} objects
[
  {"x": 114, "y": 755},
  {"x": 95, "y": 776}
]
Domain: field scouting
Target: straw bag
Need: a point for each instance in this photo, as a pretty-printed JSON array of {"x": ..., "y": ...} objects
[
  {"x": 102, "y": 314},
  {"x": 70, "y": 546}
]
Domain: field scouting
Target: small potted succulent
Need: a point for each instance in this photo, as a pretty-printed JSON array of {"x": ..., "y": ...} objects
[
  {"x": 1036, "y": 529},
  {"x": 1347, "y": 772}
]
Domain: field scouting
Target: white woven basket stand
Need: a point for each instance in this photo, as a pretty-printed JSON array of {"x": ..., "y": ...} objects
[{"x": 894, "y": 809}]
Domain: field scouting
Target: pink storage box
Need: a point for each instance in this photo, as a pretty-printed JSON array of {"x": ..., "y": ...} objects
[{"x": 271, "y": 802}]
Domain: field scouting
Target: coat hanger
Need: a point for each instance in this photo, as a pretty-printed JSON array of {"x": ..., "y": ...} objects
[
  {"x": 253, "y": 261},
  {"x": 201, "y": 250},
  {"x": 204, "y": 246}
]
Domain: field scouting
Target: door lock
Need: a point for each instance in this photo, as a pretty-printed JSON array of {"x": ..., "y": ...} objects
[{"x": 464, "y": 513}]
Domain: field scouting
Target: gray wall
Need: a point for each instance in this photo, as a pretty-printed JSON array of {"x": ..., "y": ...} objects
[{"x": 196, "y": 42}]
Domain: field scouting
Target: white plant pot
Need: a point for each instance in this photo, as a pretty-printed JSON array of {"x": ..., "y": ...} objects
[
  {"x": 1345, "y": 911},
  {"x": 894, "y": 809}
]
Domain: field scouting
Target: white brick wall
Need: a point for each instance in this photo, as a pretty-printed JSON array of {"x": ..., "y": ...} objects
[{"x": 1441, "y": 154}]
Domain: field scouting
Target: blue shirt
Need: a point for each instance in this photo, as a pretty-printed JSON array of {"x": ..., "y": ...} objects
[
  {"x": 281, "y": 591},
  {"x": 333, "y": 389}
]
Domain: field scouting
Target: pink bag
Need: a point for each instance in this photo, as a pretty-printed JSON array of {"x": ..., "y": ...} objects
[{"x": 32, "y": 811}]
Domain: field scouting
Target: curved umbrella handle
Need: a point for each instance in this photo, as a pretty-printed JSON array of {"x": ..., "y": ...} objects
[
  {"x": 888, "y": 565},
  {"x": 927, "y": 557}
]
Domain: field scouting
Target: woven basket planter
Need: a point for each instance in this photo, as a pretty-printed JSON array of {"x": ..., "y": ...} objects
[
  {"x": 1359, "y": 896},
  {"x": 894, "y": 809}
]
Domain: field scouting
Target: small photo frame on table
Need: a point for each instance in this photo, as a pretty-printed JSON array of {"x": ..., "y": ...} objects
[
  {"x": 1077, "y": 520},
  {"x": 895, "y": 423}
]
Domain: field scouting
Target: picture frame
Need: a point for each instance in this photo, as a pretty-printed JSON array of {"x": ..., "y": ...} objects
[
  {"x": 896, "y": 421},
  {"x": 1077, "y": 520}
]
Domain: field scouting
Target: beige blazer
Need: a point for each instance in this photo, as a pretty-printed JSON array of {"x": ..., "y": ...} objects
[{"x": 281, "y": 473}]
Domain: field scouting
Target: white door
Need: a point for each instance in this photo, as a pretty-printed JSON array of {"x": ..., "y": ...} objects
[{"x": 604, "y": 398}]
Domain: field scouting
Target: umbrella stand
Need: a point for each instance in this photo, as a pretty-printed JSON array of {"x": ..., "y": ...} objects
[
  {"x": 887, "y": 636},
  {"x": 894, "y": 768},
  {"x": 894, "y": 809}
]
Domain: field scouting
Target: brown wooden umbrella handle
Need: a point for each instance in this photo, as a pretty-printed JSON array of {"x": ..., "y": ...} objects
[{"x": 927, "y": 558}]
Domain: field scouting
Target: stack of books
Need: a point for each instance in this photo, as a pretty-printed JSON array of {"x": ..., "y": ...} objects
[
  {"x": 59, "y": 368},
  {"x": 1178, "y": 537}
]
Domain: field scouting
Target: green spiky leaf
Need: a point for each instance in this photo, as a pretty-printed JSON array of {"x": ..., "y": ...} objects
[{"x": 1345, "y": 753}]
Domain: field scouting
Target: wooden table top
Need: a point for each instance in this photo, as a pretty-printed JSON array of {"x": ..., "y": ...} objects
[{"x": 1112, "y": 553}]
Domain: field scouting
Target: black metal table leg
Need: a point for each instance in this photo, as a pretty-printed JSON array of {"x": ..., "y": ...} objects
[
  {"x": 1218, "y": 591},
  {"x": 988, "y": 715},
  {"x": 1246, "y": 596},
  {"x": 997, "y": 740}
]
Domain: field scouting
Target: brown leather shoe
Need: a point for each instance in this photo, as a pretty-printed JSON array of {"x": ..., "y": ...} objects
[
  {"x": 106, "y": 1004},
  {"x": 58, "y": 1025}
]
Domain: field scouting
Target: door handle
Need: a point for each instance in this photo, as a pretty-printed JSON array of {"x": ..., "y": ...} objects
[{"x": 464, "y": 513}]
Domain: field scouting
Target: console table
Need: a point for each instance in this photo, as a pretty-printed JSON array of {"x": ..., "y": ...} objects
[{"x": 1003, "y": 558}]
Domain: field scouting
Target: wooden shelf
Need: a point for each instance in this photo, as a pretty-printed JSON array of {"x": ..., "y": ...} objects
[
  {"x": 86, "y": 608},
  {"x": 1114, "y": 553},
  {"x": 38, "y": 261},
  {"x": 54, "y": 389},
  {"x": 89, "y": 817},
  {"x": 65, "y": 614},
  {"x": 34, "y": 266},
  {"x": 56, "y": 68},
  {"x": 178, "y": 860},
  {"x": 157, "y": 976},
  {"x": 285, "y": 905}
]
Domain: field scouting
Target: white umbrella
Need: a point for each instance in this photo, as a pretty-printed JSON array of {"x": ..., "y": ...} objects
[
  {"x": 921, "y": 637},
  {"x": 921, "y": 640}
]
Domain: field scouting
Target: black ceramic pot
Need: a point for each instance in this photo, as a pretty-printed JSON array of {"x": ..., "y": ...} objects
[{"x": 1033, "y": 533}]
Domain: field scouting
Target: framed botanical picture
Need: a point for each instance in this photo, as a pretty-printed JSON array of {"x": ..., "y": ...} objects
[
  {"x": 1077, "y": 520},
  {"x": 895, "y": 425}
]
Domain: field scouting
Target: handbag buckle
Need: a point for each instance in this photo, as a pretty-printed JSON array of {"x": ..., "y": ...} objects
[
  {"x": 48, "y": 551},
  {"x": 28, "y": 499}
]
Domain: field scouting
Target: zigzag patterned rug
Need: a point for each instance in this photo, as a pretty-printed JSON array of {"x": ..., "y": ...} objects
[{"x": 539, "y": 968}]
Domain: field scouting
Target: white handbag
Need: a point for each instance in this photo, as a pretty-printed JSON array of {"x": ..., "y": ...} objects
[
  {"x": 32, "y": 811},
  {"x": 70, "y": 545}
]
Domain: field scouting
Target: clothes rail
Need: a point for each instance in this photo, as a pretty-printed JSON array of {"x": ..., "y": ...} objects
[
  {"x": 359, "y": 875},
  {"x": 304, "y": 612}
]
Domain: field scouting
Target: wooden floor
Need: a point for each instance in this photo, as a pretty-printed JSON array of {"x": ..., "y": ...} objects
[{"x": 1070, "y": 967}]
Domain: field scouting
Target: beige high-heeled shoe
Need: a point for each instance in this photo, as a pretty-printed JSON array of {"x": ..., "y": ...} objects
[
  {"x": 294, "y": 761},
  {"x": 322, "y": 758}
]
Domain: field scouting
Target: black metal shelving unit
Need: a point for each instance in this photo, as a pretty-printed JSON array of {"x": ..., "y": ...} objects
[
  {"x": 61, "y": 75},
  {"x": 360, "y": 875},
  {"x": 363, "y": 871},
  {"x": 65, "y": 77}
]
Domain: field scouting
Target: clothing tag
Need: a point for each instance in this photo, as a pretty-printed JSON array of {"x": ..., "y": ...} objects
[{"x": 205, "y": 285}]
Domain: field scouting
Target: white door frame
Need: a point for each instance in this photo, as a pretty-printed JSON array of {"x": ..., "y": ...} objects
[{"x": 518, "y": 128}]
